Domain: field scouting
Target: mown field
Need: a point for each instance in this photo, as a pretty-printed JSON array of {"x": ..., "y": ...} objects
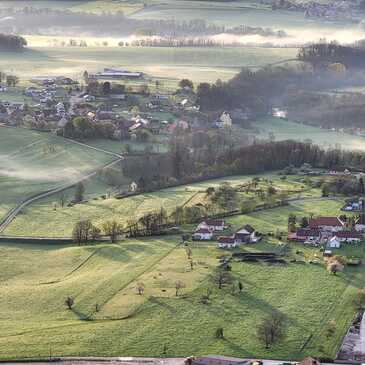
[
  {"x": 32, "y": 162},
  {"x": 37, "y": 279},
  {"x": 284, "y": 129}
]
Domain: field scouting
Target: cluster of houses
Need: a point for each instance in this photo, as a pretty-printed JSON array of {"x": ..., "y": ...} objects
[
  {"x": 329, "y": 231},
  {"x": 208, "y": 229}
]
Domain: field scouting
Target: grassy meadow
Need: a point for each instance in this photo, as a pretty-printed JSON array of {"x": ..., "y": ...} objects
[
  {"x": 32, "y": 162},
  {"x": 109, "y": 317},
  {"x": 284, "y": 129},
  {"x": 98, "y": 208},
  {"x": 198, "y": 64}
]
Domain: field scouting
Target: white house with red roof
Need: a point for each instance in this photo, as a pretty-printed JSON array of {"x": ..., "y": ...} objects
[
  {"x": 213, "y": 224},
  {"x": 227, "y": 242},
  {"x": 202, "y": 234},
  {"x": 329, "y": 224}
]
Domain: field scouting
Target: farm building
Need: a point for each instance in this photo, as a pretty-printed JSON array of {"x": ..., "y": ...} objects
[
  {"x": 213, "y": 224},
  {"x": 227, "y": 242},
  {"x": 305, "y": 234},
  {"x": 247, "y": 234},
  {"x": 202, "y": 234},
  {"x": 329, "y": 224},
  {"x": 349, "y": 236}
]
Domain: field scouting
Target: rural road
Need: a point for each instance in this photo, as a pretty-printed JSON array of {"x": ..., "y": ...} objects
[{"x": 4, "y": 222}]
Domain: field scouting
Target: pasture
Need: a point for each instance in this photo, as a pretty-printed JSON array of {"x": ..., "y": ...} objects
[
  {"x": 98, "y": 208},
  {"x": 284, "y": 129},
  {"x": 198, "y": 64},
  {"x": 32, "y": 162},
  {"x": 103, "y": 280}
]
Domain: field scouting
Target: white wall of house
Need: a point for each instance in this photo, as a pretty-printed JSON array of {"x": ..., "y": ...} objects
[{"x": 203, "y": 236}]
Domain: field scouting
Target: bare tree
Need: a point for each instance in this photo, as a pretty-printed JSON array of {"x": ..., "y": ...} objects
[
  {"x": 222, "y": 277},
  {"x": 62, "y": 199},
  {"x": 140, "y": 288},
  {"x": 112, "y": 229},
  {"x": 82, "y": 231},
  {"x": 178, "y": 286},
  {"x": 270, "y": 330},
  {"x": 69, "y": 302}
]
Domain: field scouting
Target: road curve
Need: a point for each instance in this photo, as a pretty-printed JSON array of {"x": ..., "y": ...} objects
[{"x": 4, "y": 222}]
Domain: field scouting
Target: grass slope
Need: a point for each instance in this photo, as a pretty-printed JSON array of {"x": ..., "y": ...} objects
[
  {"x": 61, "y": 220},
  {"x": 284, "y": 129},
  {"x": 198, "y": 64},
  {"x": 37, "y": 279},
  {"x": 28, "y": 167}
]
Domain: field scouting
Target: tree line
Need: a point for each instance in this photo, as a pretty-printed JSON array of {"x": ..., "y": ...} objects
[{"x": 12, "y": 42}]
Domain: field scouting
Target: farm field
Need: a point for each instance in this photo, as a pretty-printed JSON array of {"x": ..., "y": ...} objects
[
  {"x": 37, "y": 279},
  {"x": 97, "y": 209},
  {"x": 32, "y": 162},
  {"x": 198, "y": 64},
  {"x": 325, "y": 138}
]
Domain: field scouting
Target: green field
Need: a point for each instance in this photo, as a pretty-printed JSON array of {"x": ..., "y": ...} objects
[
  {"x": 98, "y": 209},
  {"x": 198, "y": 64},
  {"x": 37, "y": 279},
  {"x": 284, "y": 129},
  {"x": 32, "y": 162}
]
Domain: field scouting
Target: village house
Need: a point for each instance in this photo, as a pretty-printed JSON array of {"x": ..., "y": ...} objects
[
  {"x": 247, "y": 234},
  {"x": 227, "y": 242},
  {"x": 329, "y": 224},
  {"x": 334, "y": 242},
  {"x": 360, "y": 223},
  {"x": 224, "y": 121},
  {"x": 305, "y": 235},
  {"x": 202, "y": 234},
  {"x": 349, "y": 236},
  {"x": 133, "y": 187},
  {"x": 212, "y": 224}
]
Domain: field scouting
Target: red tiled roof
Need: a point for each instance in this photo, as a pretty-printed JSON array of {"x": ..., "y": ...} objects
[
  {"x": 226, "y": 239},
  {"x": 348, "y": 234},
  {"x": 213, "y": 222},
  {"x": 324, "y": 221},
  {"x": 305, "y": 232}
]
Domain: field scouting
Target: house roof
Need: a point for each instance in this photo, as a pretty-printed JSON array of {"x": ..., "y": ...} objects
[
  {"x": 249, "y": 228},
  {"x": 226, "y": 239},
  {"x": 306, "y": 232},
  {"x": 309, "y": 361},
  {"x": 348, "y": 234},
  {"x": 213, "y": 222},
  {"x": 325, "y": 221}
]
